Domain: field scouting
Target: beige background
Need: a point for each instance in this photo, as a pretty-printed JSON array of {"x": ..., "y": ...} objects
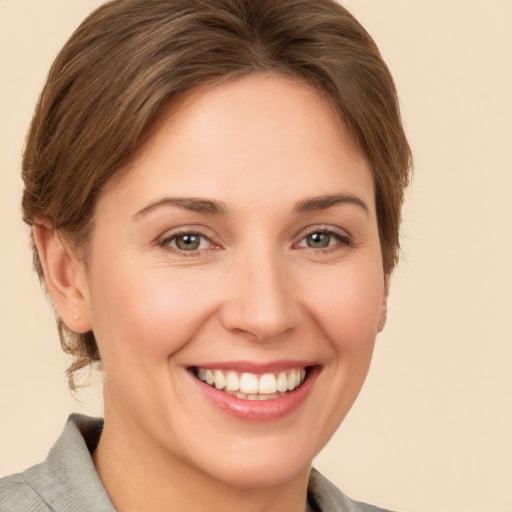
[{"x": 432, "y": 430}]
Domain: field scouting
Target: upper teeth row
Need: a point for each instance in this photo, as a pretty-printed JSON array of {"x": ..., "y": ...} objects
[{"x": 251, "y": 383}]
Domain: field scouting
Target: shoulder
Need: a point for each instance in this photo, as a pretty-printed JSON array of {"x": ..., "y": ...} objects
[
  {"x": 16, "y": 495},
  {"x": 66, "y": 480},
  {"x": 324, "y": 496}
]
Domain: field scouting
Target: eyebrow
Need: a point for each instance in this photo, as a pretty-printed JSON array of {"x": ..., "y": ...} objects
[
  {"x": 327, "y": 201},
  {"x": 211, "y": 207},
  {"x": 194, "y": 204}
]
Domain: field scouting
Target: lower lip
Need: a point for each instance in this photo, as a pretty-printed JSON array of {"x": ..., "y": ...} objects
[{"x": 259, "y": 410}]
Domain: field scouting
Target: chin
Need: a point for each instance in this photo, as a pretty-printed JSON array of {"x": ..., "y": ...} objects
[
  {"x": 262, "y": 472},
  {"x": 259, "y": 461}
]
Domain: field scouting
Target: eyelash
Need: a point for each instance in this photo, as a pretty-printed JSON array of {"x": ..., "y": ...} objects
[
  {"x": 340, "y": 240},
  {"x": 167, "y": 242}
]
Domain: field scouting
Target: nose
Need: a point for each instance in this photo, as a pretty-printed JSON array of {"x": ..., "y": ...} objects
[{"x": 262, "y": 301}]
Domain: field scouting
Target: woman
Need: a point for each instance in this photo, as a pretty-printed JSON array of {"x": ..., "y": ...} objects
[{"x": 214, "y": 190}]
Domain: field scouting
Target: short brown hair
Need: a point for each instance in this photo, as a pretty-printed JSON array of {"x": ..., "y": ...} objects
[{"x": 129, "y": 58}]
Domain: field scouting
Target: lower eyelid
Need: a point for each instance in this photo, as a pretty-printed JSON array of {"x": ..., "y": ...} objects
[
  {"x": 343, "y": 238},
  {"x": 168, "y": 240},
  {"x": 338, "y": 237}
]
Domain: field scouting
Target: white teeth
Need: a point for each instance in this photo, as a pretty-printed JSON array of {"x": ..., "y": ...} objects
[
  {"x": 248, "y": 383},
  {"x": 292, "y": 380},
  {"x": 245, "y": 396},
  {"x": 267, "y": 385},
  {"x": 282, "y": 382},
  {"x": 220, "y": 380},
  {"x": 251, "y": 386},
  {"x": 268, "y": 397},
  {"x": 232, "y": 382}
]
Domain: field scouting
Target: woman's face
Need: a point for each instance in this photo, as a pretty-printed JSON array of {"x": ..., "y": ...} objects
[{"x": 241, "y": 248}]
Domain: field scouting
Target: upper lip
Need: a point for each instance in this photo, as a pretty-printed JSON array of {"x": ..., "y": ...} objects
[{"x": 252, "y": 367}]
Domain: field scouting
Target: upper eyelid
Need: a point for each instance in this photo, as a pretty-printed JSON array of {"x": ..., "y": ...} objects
[
  {"x": 215, "y": 242},
  {"x": 343, "y": 238},
  {"x": 166, "y": 239},
  {"x": 210, "y": 235},
  {"x": 203, "y": 231},
  {"x": 323, "y": 228}
]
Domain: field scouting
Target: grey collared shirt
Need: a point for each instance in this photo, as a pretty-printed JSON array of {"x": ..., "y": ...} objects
[{"x": 67, "y": 480}]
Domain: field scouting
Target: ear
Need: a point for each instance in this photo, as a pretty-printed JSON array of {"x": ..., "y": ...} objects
[
  {"x": 64, "y": 276},
  {"x": 384, "y": 306}
]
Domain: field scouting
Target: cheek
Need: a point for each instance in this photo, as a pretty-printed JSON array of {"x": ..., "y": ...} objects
[
  {"x": 146, "y": 314},
  {"x": 350, "y": 307}
]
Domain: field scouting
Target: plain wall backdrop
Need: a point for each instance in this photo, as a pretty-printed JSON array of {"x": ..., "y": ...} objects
[{"x": 432, "y": 428}]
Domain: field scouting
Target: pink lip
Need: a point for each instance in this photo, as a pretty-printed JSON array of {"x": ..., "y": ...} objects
[{"x": 257, "y": 410}]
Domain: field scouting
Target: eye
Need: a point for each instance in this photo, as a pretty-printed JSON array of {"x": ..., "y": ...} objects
[
  {"x": 187, "y": 242},
  {"x": 319, "y": 240},
  {"x": 323, "y": 239}
]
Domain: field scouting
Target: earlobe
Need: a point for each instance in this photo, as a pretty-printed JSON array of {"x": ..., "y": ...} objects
[{"x": 64, "y": 277}]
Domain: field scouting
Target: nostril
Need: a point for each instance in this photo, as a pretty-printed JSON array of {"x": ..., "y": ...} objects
[
  {"x": 260, "y": 328},
  {"x": 262, "y": 302}
]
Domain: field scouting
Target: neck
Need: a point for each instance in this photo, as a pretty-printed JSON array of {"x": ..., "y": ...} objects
[{"x": 139, "y": 476}]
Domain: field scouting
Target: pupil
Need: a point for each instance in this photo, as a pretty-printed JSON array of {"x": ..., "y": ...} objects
[
  {"x": 188, "y": 242},
  {"x": 318, "y": 240}
]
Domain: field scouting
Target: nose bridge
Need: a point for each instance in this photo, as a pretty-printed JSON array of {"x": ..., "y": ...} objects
[{"x": 263, "y": 304}]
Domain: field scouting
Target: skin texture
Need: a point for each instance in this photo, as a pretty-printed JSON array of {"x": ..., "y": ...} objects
[{"x": 254, "y": 291}]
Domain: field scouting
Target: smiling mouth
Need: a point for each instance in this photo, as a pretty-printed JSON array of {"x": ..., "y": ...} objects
[{"x": 252, "y": 386}]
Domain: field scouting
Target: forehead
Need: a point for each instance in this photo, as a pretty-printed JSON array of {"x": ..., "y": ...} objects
[
  {"x": 258, "y": 105},
  {"x": 263, "y": 131}
]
